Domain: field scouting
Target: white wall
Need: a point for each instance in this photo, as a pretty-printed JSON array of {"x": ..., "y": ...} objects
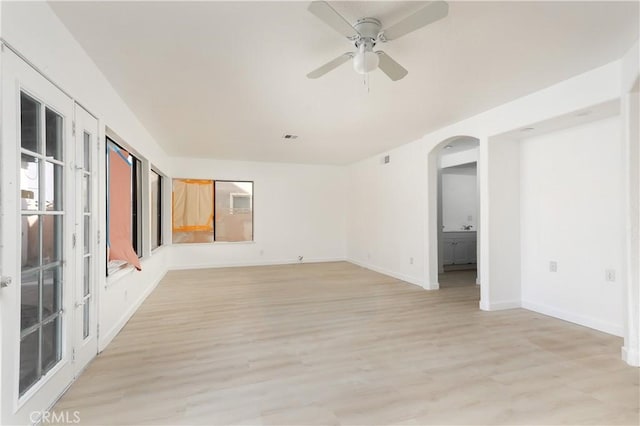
[
  {"x": 630, "y": 106},
  {"x": 386, "y": 208},
  {"x": 572, "y": 202},
  {"x": 383, "y": 236},
  {"x": 459, "y": 198},
  {"x": 450, "y": 159},
  {"x": 299, "y": 210}
]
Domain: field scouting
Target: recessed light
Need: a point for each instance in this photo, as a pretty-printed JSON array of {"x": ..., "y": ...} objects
[
  {"x": 527, "y": 129},
  {"x": 448, "y": 147}
]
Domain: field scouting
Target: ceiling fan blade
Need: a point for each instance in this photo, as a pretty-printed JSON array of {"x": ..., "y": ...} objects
[
  {"x": 329, "y": 16},
  {"x": 432, "y": 12},
  {"x": 391, "y": 68},
  {"x": 331, "y": 65}
]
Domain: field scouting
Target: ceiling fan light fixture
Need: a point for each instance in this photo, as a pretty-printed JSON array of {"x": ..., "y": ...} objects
[{"x": 366, "y": 60}]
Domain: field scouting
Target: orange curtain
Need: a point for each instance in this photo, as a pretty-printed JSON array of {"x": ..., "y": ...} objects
[
  {"x": 192, "y": 205},
  {"x": 120, "y": 199}
]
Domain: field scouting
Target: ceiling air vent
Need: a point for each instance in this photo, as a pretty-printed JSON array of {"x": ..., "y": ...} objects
[{"x": 289, "y": 136}]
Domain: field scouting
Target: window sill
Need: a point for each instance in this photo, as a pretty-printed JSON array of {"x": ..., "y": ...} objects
[
  {"x": 214, "y": 243},
  {"x": 117, "y": 273}
]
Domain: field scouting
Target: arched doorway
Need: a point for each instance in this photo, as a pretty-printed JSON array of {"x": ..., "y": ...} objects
[{"x": 453, "y": 208}]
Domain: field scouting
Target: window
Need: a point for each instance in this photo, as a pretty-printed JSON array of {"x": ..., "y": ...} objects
[
  {"x": 206, "y": 211},
  {"x": 124, "y": 218},
  {"x": 156, "y": 209},
  {"x": 234, "y": 212}
]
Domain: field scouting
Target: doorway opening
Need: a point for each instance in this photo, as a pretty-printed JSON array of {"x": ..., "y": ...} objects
[{"x": 454, "y": 204}]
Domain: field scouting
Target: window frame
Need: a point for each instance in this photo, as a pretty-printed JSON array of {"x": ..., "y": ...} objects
[
  {"x": 137, "y": 212},
  {"x": 215, "y": 212},
  {"x": 159, "y": 237}
]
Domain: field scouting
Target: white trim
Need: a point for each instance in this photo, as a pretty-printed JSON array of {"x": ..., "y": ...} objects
[
  {"x": 262, "y": 263},
  {"x": 401, "y": 277},
  {"x": 585, "y": 321},
  {"x": 499, "y": 306},
  {"x": 631, "y": 356}
]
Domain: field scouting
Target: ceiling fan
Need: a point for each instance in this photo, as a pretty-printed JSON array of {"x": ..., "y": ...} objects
[{"x": 367, "y": 32}]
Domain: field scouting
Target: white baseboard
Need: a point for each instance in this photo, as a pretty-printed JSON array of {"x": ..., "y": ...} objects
[
  {"x": 254, "y": 263},
  {"x": 402, "y": 277},
  {"x": 631, "y": 356},
  {"x": 105, "y": 339},
  {"x": 583, "y": 320},
  {"x": 499, "y": 306}
]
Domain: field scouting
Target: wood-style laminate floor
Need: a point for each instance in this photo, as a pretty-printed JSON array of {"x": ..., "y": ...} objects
[{"x": 337, "y": 344}]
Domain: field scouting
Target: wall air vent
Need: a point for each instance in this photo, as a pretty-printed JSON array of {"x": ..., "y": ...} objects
[
  {"x": 289, "y": 136},
  {"x": 386, "y": 159}
]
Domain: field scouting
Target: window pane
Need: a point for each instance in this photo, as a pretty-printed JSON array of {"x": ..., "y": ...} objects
[
  {"x": 29, "y": 123},
  {"x": 53, "y": 123},
  {"x": 30, "y": 244},
  {"x": 86, "y": 179},
  {"x": 53, "y": 187},
  {"x": 192, "y": 211},
  {"x": 85, "y": 320},
  {"x": 87, "y": 275},
  {"x": 87, "y": 234},
  {"x": 29, "y": 182},
  {"x": 156, "y": 232},
  {"x": 50, "y": 344},
  {"x": 29, "y": 360},
  {"x": 51, "y": 238},
  {"x": 29, "y": 299},
  {"x": 87, "y": 152},
  {"x": 51, "y": 287},
  {"x": 234, "y": 211}
]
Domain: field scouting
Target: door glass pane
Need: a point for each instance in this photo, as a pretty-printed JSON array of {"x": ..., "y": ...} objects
[
  {"x": 87, "y": 234},
  {"x": 86, "y": 179},
  {"x": 87, "y": 275},
  {"x": 53, "y": 123},
  {"x": 51, "y": 286},
  {"x": 87, "y": 152},
  {"x": 30, "y": 242},
  {"x": 85, "y": 320},
  {"x": 29, "y": 299},
  {"x": 50, "y": 344},
  {"x": 53, "y": 187},
  {"x": 51, "y": 238},
  {"x": 29, "y": 123},
  {"x": 29, "y": 182},
  {"x": 29, "y": 360}
]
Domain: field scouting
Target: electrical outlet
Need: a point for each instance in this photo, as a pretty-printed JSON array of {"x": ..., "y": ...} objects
[
  {"x": 411, "y": 261},
  {"x": 610, "y": 275},
  {"x": 469, "y": 218},
  {"x": 369, "y": 256},
  {"x": 261, "y": 252},
  {"x": 553, "y": 266}
]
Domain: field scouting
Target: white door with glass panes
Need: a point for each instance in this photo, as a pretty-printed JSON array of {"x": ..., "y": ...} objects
[
  {"x": 86, "y": 225},
  {"x": 38, "y": 323}
]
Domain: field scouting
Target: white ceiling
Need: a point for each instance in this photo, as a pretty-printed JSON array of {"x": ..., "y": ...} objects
[{"x": 227, "y": 79}]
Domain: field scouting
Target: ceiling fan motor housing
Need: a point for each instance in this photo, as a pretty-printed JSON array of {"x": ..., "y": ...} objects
[{"x": 368, "y": 28}]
